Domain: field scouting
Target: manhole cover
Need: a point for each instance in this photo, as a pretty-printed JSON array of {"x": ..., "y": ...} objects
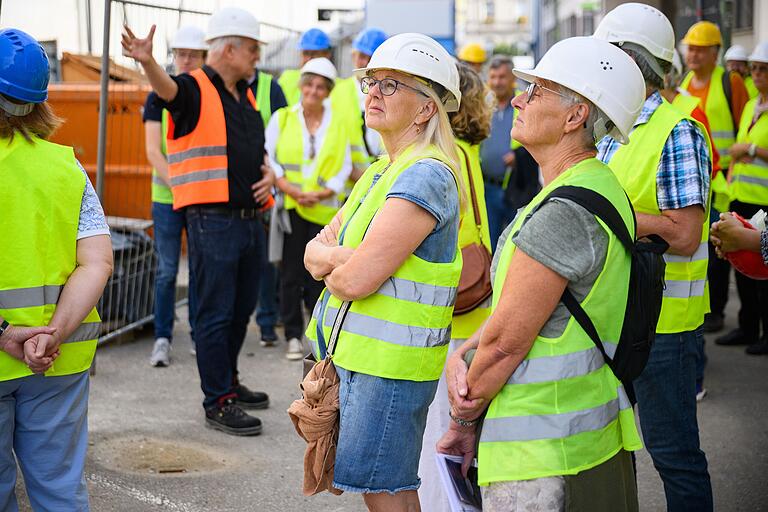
[{"x": 159, "y": 457}]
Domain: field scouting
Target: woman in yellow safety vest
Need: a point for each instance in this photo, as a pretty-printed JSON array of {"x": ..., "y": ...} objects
[
  {"x": 749, "y": 194},
  {"x": 391, "y": 264},
  {"x": 559, "y": 426},
  {"x": 55, "y": 260},
  {"x": 471, "y": 125},
  {"x": 308, "y": 146}
]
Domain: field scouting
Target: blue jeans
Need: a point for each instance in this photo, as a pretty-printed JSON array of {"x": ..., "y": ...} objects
[
  {"x": 44, "y": 421},
  {"x": 225, "y": 253},
  {"x": 168, "y": 226},
  {"x": 499, "y": 214},
  {"x": 666, "y": 401},
  {"x": 266, "y": 312}
]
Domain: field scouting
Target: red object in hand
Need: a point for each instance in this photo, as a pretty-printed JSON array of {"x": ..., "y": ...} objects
[
  {"x": 747, "y": 262},
  {"x": 268, "y": 204}
]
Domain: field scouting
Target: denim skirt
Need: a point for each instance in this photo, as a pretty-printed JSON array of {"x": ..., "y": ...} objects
[{"x": 381, "y": 427}]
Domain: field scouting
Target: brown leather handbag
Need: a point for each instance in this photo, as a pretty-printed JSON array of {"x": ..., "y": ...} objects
[{"x": 475, "y": 281}]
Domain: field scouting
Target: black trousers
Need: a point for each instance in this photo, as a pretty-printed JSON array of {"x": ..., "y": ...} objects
[
  {"x": 753, "y": 294},
  {"x": 298, "y": 288}
]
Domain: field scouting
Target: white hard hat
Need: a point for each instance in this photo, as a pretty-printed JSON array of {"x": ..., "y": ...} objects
[
  {"x": 320, "y": 66},
  {"x": 642, "y": 25},
  {"x": 422, "y": 56},
  {"x": 736, "y": 52},
  {"x": 189, "y": 37},
  {"x": 760, "y": 53},
  {"x": 677, "y": 63},
  {"x": 600, "y": 72},
  {"x": 233, "y": 21}
]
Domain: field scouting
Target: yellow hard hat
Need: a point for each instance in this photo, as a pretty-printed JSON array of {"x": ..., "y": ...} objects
[
  {"x": 472, "y": 52},
  {"x": 703, "y": 33}
]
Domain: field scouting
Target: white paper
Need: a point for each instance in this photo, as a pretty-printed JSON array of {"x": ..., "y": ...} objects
[{"x": 450, "y": 486}]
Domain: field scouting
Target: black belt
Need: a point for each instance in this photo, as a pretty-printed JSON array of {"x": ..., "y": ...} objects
[
  {"x": 242, "y": 213},
  {"x": 494, "y": 181}
]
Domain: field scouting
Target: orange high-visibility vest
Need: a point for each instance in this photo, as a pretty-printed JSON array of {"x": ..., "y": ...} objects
[{"x": 197, "y": 162}]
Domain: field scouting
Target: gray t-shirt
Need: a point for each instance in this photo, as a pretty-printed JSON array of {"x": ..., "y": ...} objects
[{"x": 568, "y": 239}]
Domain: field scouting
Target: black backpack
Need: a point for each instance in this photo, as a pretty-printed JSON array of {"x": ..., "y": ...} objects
[{"x": 646, "y": 286}]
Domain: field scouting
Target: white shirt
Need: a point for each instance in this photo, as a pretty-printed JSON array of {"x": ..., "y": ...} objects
[{"x": 273, "y": 134}]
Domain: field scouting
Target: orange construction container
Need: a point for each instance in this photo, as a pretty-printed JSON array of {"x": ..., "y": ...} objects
[{"x": 127, "y": 179}]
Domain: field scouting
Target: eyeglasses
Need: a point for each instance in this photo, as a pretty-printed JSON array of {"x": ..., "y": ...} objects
[
  {"x": 387, "y": 86},
  {"x": 530, "y": 91},
  {"x": 311, "y": 146}
]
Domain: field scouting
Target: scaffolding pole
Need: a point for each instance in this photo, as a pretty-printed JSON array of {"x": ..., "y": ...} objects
[{"x": 103, "y": 102}]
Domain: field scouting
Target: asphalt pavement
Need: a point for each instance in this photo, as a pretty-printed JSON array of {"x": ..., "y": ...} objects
[{"x": 150, "y": 449}]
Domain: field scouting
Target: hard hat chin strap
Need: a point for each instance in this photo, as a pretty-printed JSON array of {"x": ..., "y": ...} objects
[
  {"x": 603, "y": 127},
  {"x": 15, "y": 109}
]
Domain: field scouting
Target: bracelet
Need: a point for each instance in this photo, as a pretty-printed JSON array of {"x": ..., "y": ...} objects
[
  {"x": 462, "y": 422},
  {"x": 3, "y": 327}
]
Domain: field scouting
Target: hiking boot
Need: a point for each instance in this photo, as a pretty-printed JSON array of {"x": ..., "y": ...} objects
[
  {"x": 295, "y": 350},
  {"x": 248, "y": 399},
  {"x": 268, "y": 337},
  {"x": 229, "y": 418},
  {"x": 713, "y": 322},
  {"x": 758, "y": 349},
  {"x": 161, "y": 353},
  {"x": 735, "y": 337}
]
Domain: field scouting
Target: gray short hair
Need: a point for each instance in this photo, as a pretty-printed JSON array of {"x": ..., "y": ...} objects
[
  {"x": 597, "y": 123},
  {"x": 649, "y": 65},
  {"x": 499, "y": 61},
  {"x": 218, "y": 44}
]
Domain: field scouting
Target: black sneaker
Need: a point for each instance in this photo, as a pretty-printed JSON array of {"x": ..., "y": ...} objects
[
  {"x": 758, "y": 349},
  {"x": 248, "y": 399},
  {"x": 231, "y": 419},
  {"x": 735, "y": 337},
  {"x": 713, "y": 322}
]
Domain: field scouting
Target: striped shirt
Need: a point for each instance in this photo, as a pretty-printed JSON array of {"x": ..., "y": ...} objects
[{"x": 684, "y": 168}]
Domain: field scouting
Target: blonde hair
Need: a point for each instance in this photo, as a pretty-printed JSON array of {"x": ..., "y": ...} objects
[
  {"x": 472, "y": 123},
  {"x": 41, "y": 122},
  {"x": 438, "y": 133}
]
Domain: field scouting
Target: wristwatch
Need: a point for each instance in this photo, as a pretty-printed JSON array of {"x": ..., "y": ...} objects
[
  {"x": 752, "y": 151},
  {"x": 3, "y": 327},
  {"x": 462, "y": 422}
]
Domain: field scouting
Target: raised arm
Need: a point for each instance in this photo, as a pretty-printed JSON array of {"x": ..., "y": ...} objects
[{"x": 140, "y": 50}]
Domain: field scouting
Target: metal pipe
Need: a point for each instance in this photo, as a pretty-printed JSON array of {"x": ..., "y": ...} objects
[
  {"x": 89, "y": 26},
  {"x": 103, "y": 101}
]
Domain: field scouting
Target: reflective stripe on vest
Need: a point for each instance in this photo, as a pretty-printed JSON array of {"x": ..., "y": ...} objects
[
  {"x": 749, "y": 183},
  {"x": 329, "y": 161},
  {"x": 197, "y": 161},
  {"x": 686, "y": 298},
  {"x": 161, "y": 192},
  {"x": 718, "y": 114},
  {"x": 562, "y": 410},
  {"x": 402, "y": 330},
  {"x": 31, "y": 281}
]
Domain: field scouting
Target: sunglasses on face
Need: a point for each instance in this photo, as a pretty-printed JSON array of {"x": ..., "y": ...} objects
[{"x": 387, "y": 86}]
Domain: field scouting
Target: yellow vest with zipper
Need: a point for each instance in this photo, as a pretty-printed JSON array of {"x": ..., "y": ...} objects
[
  {"x": 402, "y": 330},
  {"x": 563, "y": 411},
  {"x": 41, "y": 210},
  {"x": 686, "y": 294},
  {"x": 750, "y": 180},
  {"x": 328, "y": 162}
]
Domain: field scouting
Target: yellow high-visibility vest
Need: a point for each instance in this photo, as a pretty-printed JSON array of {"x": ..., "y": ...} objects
[
  {"x": 41, "y": 209},
  {"x": 750, "y": 180}
]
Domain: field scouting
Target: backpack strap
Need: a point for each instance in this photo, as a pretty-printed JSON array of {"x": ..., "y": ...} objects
[{"x": 599, "y": 206}]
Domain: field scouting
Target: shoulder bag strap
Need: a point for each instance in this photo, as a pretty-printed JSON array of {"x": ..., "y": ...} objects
[{"x": 475, "y": 209}]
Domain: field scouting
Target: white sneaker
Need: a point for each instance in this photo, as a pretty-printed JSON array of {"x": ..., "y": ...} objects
[
  {"x": 161, "y": 353},
  {"x": 701, "y": 394},
  {"x": 193, "y": 349},
  {"x": 295, "y": 350}
]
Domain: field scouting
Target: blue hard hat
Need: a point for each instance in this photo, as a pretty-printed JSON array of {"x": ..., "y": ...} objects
[
  {"x": 24, "y": 68},
  {"x": 314, "y": 39},
  {"x": 368, "y": 40}
]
